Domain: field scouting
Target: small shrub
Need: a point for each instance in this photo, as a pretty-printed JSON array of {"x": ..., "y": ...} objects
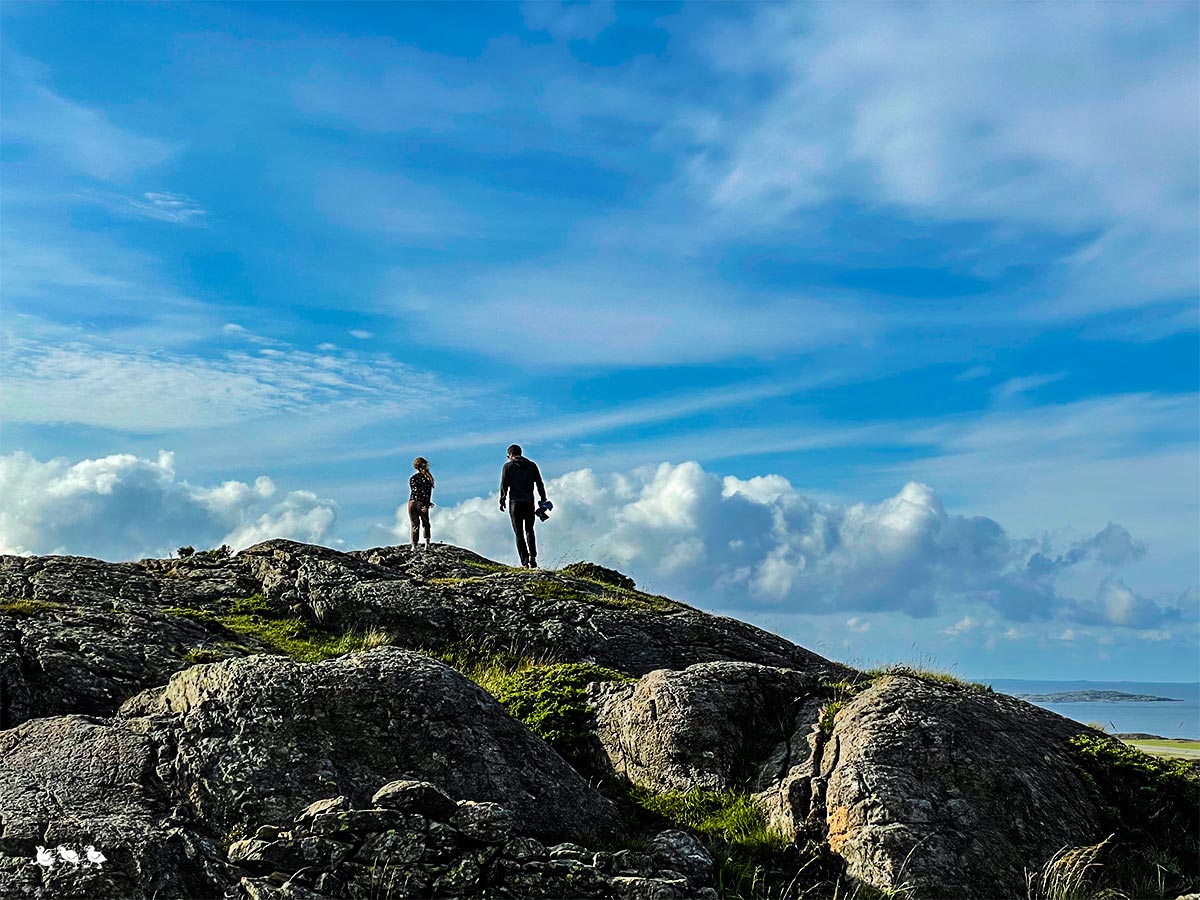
[
  {"x": 551, "y": 701},
  {"x": 185, "y": 552},
  {"x": 601, "y": 574},
  {"x": 827, "y": 715}
]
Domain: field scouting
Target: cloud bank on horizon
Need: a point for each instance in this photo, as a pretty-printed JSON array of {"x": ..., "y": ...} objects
[
  {"x": 756, "y": 546},
  {"x": 716, "y": 266}
]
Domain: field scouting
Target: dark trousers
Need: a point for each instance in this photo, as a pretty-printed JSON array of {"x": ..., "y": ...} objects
[
  {"x": 418, "y": 515},
  {"x": 521, "y": 514}
]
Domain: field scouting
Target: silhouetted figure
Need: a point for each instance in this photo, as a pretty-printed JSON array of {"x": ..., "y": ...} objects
[
  {"x": 517, "y": 481},
  {"x": 420, "y": 498}
]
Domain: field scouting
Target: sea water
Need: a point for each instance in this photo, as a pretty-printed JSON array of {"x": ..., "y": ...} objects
[{"x": 1172, "y": 720}]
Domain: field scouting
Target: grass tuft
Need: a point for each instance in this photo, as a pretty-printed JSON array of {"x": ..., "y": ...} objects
[
  {"x": 932, "y": 675},
  {"x": 1067, "y": 875},
  {"x": 254, "y": 617},
  {"x": 28, "y": 607}
]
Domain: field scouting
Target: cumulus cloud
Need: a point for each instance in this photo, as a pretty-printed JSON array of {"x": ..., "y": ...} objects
[
  {"x": 125, "y": 507},
  {"x": 759, "y": 544}
]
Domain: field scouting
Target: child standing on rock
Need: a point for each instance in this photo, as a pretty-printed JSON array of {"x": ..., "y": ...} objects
[{"x": 420, "y": 498}]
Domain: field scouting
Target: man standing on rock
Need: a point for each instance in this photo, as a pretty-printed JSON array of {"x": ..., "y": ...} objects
[{"x": 517, "y": 481}]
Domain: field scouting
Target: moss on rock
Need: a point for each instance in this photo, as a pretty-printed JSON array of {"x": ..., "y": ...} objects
[{"x": 28, "y": 607}]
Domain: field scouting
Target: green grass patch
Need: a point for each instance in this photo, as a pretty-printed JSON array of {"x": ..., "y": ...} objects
[
  {"x": 29, "y": 607},
  {"x": 1164, "y": 744},
  {"x": 827, "y": 715},
  {"x": 197, "y": 655},
  {"x": 614, "y": 597},
  {"x": 1151, "y": 805},
  {"x": 750, "y": 859},
  {"x": 253, "y": 617},
  {"x": 292, "y": 637},
  {"x": 728, "y": 816},
  {"x": 548, "y": 697}
]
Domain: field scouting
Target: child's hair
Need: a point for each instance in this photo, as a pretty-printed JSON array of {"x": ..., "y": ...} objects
[{"x": 421, "y": 464}]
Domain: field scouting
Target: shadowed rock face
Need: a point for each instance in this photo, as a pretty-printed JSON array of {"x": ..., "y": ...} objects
[
  {"x": 226, "y": 747},
  {"x": 75, "y": 781},
  {"x": 97, "y": 633},
  {"x": 93, "y": 633},
  {"x": 346, "y": 726},
  {"x": 710, "y": 725}
]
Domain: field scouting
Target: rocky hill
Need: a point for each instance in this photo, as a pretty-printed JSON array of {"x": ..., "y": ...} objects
[{"x": 295, "y": 722}]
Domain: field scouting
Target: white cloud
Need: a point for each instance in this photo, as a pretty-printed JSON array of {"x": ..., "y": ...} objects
[
  {"x": 93, "y": 382},
  {"x": 1015, "y": 388},
  {"x": 125, "y": 507},
  {"x": 83, "y": 137},
  {"x": 759, "y": 544},
  {"x": 360, "y": 334},
  {"x": 961, "y": 627},
  {"x": 167, "y": 207},
  {"x": 1060, "y": 118},
  {"x": 858, "y": 623}
]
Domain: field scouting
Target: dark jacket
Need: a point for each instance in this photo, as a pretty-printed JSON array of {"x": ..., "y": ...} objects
[
  {"x": 518, "y": 479},
  {"x": 420, "y": 489}
]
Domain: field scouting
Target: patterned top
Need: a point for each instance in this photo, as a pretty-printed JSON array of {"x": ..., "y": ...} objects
[{"x": 421, "y": 489}]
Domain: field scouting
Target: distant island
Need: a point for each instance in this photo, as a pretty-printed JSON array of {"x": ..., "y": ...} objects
[{"x": 1096, "y": 697}]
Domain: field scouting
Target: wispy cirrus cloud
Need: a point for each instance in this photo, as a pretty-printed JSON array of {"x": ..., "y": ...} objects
[
  {"x": 595, "y": 315},
  {"x": 82, "y": 137},
  {"x": 1062, "y": 119},
  {"x": 98, "y": 383},
  {"x": 168, "y": 207}
]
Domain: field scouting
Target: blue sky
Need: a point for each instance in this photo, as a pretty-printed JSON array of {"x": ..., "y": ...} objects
[{"x": 876, "y": 326}]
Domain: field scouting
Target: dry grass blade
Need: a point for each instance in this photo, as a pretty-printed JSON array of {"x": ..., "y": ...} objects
[{"x": 1067, "y": 874}]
